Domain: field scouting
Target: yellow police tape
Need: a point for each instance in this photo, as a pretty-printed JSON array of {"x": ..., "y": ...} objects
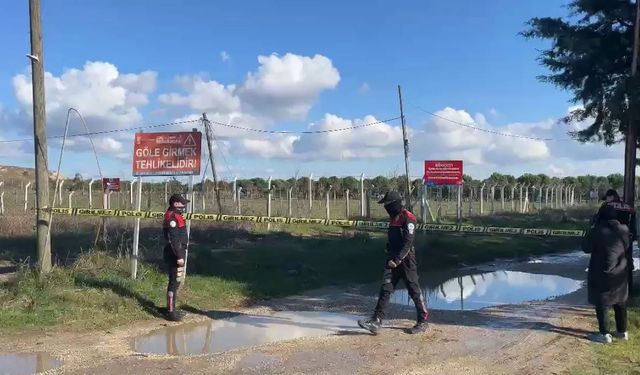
[{"x": 339, "y": 223}]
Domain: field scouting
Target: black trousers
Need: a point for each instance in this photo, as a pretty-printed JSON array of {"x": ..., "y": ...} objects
[
  {"x": 620, "y": 311},
  {"x": 173, "y": 285},
  {"x": 407, "y": 271}
]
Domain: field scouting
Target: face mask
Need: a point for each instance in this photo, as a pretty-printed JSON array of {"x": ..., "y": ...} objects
[
  {"x": 393, "y": 208},
  {"x": 179, "y": 209}
]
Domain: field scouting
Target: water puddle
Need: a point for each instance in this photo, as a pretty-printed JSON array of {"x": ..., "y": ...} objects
[
  {"x": 242, "y": 331},
  {"x": 480, "y": 290},
  {"x": 27, "y": 364}
]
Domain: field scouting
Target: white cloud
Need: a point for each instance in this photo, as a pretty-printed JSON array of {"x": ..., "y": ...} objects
[
  {"x": 106, "y": 98},
  {"x": 225, "y": 57},
  {"x": 287, "y": 87},
  {"x": 204, "y": 96}
]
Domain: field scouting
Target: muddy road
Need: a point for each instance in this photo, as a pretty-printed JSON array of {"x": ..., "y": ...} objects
[{"x": 493, "y": 319}]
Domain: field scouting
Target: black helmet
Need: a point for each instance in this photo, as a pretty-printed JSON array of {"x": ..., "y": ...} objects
[
  {"x": 390, "y": 197},
  {"x": 177, "y": 198},
  {"x": 611, "y": 193}
]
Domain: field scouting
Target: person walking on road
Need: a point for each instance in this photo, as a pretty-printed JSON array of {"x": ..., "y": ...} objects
[
  {"x": 400, "y": 265},
  {"x": 607, "y": 282},
  {"x": 175, "y": 233}
]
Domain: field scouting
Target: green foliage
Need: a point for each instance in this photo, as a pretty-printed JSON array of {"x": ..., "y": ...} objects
[{"x": 590, "y": 56}]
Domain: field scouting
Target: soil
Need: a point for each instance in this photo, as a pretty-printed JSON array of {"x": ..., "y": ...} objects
[{"x": 531, "y": 338}]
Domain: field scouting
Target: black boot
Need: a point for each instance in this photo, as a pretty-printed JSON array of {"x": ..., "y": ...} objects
[
  {"x": 420, "y": 327},
  {"x": 175, "y": 316},
  {"x": 372, "y": 324}
]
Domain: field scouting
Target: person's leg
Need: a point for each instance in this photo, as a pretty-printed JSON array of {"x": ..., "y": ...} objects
[
  {"x": 412, "y": 282},
  {"x": 390, "y": 280},
  {"x": 603, "y": 319},
  {"x": 620, "y": 311},
  {"x": 172, "y": 288}
]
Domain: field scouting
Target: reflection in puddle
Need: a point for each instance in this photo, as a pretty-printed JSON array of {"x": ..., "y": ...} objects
[
  {"x": 242, "y": 331},
  {"x": 482, "y": 290},
  {"x": 27, "y": 364}
]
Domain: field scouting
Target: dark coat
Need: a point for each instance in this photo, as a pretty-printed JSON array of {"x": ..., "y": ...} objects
[{"x": 607, "y": 282}]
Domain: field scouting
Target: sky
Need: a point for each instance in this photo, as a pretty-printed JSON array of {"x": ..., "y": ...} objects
[{"x": 290, "y": 65}]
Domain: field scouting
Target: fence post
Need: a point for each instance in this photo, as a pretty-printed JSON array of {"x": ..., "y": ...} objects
[
  {"x": 346, "y": 195},
  {"x": 362, "y": 209},
  {"x": 470, "y": 201},
  {"x": 239, "y": 200},
  {"x": 423, "y": 203},
  {"x": 493, "y": 198},
  {"x": 71, "y": 196},
  {"x": 482, "y": 200},
  {"x": 131, "y": 193},
  {"x": 91, "y": 192},
  {"x": 235, "y": 188},
  {"x": 369, "y": 204},
  {"x": 513, "y": 197},
  {"x": 502, "y": 197},
  {"x": 290, "y": 201},
  {"x": 60, "y": 193},
  {"x": 136, "y": 229},
  {"x": 459, "y": 204},
  {"x": 310, "y": 193},
  {"x": 26, "y": 196},
  {"x": 166, "y": 191},
  {"x": 328, "y": 202},
  {"x": 269, "y": 187},
  {"x": 2, "y": 203}
]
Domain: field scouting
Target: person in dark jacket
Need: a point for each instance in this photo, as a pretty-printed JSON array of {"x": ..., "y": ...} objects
[
  {"x": 175, "y": 234},
  {"x": 626, "y": 215},
  {"x": 400, "y": 265},
  {"x": 607, "y": 284}
]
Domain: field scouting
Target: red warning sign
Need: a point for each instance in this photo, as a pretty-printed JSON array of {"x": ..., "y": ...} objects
[
  {"x": 167, "y": 154},
  {"x": 443, "y": 172}
]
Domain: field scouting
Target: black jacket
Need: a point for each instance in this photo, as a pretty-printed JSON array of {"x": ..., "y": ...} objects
[
  {"x": 607, "y": 279},
  {"x": 402, "y": 229},
  {"x": 174, "y": 229}
]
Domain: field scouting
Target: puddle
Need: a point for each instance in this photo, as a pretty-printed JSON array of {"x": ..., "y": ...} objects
[
  {"x": 242, "y": 331},
  {"x": 27, "y": 364},
  {"x": 480, "y": 290}
]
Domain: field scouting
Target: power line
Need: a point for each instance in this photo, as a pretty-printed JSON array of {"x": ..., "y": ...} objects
[
  {"x": 303, "y": 132},
  {"x": 485, "y": 130},
  {"x": 105, "y": 131}
]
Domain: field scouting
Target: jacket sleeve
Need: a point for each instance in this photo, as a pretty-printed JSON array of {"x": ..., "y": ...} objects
[
  {"x": 409, "y": 233},
  {"x": 175, "y": 239},
  {"x": 632, "y": 226},
  {"x": 617, "y": 251},
  {"x": 587, "y": 241}
]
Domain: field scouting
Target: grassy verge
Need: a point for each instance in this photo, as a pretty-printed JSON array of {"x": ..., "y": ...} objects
[
  {"x": 227, "y": 269},
  {"x": 619, "y": 357}
]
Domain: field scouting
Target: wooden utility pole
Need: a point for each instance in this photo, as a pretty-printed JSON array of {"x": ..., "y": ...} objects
[
  {"x": 406, "y": 150},
  {"x": 631, "y": 138},
  {"x": 209, "y": 134},
  {"x": 39, "y": 139}
]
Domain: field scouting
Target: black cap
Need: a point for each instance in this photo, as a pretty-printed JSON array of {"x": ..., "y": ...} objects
[
  {"x": 391, "y": 196},
  {"x": 178, "y": 198},
  {"x": 611, "y": 193}
]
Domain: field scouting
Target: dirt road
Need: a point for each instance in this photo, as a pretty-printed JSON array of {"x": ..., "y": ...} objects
[{"x": 533, "y": 338}]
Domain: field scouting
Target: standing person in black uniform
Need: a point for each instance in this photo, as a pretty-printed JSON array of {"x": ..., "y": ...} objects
[
  {"x": 626, "y": 215},
  {"x": 175, "y": 234},
  {"x": 400, "y": 265}
]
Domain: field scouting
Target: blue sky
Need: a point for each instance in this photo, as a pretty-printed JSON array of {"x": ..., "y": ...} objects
[{"x": 460, "y": 59}]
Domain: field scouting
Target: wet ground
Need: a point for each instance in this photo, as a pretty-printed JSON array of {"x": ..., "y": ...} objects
[
  {"x": 483, "y": 321},
  {"x": 27, "y": 364}
]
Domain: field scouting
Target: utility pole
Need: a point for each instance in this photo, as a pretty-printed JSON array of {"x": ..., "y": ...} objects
[
  {"x": 209, "y": 133},
  {"x": 631, "y": 138},
  {"x": 39, "y": 139},
  {"x": 406, "y": 150}
]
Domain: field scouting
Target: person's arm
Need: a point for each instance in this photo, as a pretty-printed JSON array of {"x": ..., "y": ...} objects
[
  {"x": 587, "y": 241},
  {"x": 616, "y": 251},
  {"x": 409, "y": 231},
  {"x": 175, "y": 227}
]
